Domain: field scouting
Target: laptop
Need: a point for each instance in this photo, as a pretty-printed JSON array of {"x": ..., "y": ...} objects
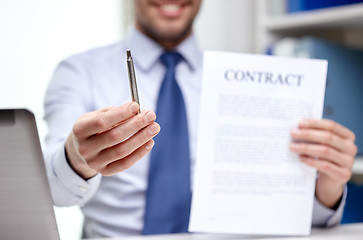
[{"x": 26, "y": 209}]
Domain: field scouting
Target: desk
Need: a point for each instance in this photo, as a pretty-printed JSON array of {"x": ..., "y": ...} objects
[{"x": 341, "y": 232}]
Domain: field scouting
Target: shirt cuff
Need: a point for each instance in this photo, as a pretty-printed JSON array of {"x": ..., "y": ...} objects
[
  {"x": 82, "y": 189},
  {"x": 326, "y": 217}
]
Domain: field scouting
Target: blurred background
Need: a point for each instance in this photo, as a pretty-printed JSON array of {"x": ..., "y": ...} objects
[{"x": 36, "y": 35}]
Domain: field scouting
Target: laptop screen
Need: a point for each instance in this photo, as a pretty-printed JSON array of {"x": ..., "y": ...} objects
[{"x": 26, "y": 210}]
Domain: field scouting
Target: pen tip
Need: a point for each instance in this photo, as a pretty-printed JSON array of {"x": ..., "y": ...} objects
[{"x": 128, "y": 52}]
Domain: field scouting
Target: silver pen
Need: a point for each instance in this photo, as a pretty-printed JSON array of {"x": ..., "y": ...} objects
[{"x": 132, "y": 78}]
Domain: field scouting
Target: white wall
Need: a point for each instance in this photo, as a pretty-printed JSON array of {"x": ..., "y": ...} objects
[
  {"x": 226, "y": 25},
  {"x": 36, "y": 35}
]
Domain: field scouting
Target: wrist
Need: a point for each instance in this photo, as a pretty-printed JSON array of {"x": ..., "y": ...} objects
[
  {"x": 75, "y": 160},
  {"x": 330, "y": 196}
]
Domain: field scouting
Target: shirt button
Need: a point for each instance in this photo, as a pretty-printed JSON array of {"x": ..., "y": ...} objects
[{"x": 83, "y": 189}]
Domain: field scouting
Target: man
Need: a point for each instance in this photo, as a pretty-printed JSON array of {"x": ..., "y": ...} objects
[{"x": 94, "y": 149}]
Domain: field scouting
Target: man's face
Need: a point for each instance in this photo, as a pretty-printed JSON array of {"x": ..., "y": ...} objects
[{"x": 166, "y": 21}]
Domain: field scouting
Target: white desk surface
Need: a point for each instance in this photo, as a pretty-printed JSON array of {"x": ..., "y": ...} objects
[{"x": 341, "y": 232}]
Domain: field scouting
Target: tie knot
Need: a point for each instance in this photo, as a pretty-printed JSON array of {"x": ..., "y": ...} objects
[{"x": 170, "y": 59}]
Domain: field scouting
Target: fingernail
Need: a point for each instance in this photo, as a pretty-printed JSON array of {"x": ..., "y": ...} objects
[
  {"x": 149, "y": 145},
  {"x": 154, "y": 129},
  {"x": 134, "y": 107},
  {"x": 149, "y": 117}
]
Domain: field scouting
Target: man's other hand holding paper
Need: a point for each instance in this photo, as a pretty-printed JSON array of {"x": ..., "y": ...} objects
[{"x": 329, "y": 147}]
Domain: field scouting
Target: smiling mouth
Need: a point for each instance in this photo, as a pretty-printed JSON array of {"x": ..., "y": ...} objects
[{"x": 171, "y": 9}]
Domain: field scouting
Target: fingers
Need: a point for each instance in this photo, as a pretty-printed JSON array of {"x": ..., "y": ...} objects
[
  {"x": 126, "y": 148},
  {"x": 326, "y": 146},
  {"x": 328, "y": 125},
  {"x": 102, "y": 120},
  {"x": 323, "y": 152},
  {"x": 324, "y": 137},
  {"x": 331, "y": 180},
  {"x": 129, "y": 161},
  {"x": 327, "y": 133},
  {"x": 113, "y": 134},
  {"x": 119, "y": 133},
  {"x": 328, "y": 168}
]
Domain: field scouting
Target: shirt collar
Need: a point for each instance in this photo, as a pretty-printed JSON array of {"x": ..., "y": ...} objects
[
  {"x": 146, "y": 52},
  {"x": 190, "y": 51}
]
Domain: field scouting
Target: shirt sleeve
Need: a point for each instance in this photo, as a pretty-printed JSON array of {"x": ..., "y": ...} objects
[
  {"x": 66, "y": 99},
  {"x": 326, "y": 217}
]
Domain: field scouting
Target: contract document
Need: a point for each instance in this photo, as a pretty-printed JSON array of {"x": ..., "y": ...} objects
[{"x": 246, "y": 180}]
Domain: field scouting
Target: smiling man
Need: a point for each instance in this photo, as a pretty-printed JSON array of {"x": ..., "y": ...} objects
[
  {"x": 166, "y": 22},
  {"x": 97, "y": 154}
]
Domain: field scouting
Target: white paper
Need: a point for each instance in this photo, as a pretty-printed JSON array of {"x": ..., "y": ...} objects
[{"x": 247, "y": 181}]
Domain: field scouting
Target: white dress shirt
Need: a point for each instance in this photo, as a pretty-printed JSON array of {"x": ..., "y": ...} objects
[{"x": 114, "y": 206}]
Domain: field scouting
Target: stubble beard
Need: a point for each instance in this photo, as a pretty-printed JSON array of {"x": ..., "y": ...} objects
[{"x": 165, "y": 38}]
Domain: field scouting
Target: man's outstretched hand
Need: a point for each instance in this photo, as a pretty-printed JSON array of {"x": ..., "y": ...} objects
[{"x": 110, "y": 140}]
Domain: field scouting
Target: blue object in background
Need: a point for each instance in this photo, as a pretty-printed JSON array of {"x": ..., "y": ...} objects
[
  {"x": 343, "y": 96},
  {"x": 306, "y": 5},
  {"x": 353, "y": 211},
  {"x": 343, "y": 102},
  {"x": 344, "y": 91}
]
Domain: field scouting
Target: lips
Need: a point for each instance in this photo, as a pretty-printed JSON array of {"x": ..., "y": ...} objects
[{"x": 171, "y": 9}]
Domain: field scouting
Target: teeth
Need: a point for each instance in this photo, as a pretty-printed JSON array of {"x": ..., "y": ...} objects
[{"x": 170, "y": 7}]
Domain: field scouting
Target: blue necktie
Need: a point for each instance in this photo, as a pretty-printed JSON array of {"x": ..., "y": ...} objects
[{"x": 168, "y": 195}]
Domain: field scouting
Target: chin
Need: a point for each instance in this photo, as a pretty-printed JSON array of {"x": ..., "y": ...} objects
[
  {"x": 174, "y": 32},
  {"x": 171, "y": 32}
]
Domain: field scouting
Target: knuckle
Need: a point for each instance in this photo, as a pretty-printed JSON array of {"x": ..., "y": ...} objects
[
  {"x": 331, "y": 125},
  {"x": 326, "y": 151},
  {"x": 305, "y": 134},
  {"x": 77, "y": 130},
  {"x": 144, "y": 137},
  {"x": 139, "y": 123},
  {"x": 82, "y": 150},
  {"x": 329, "y": 137},
  {"x": 124, "y": 112},
  {"x": 326, "y": 166},
  {"x": 112, "y": 136},
  {"x": 304, "y": 147},
  {"x": 120, "y": 152},
  {"x": 100, "y": 122}
]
